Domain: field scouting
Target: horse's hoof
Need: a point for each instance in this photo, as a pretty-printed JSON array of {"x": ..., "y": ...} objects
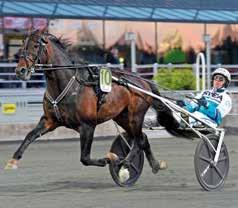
[
  {"x": 163, "y": 165},
  {"x": 156, "y": 168},
  {"x": 112, "y": 156},
  {"x": 11, "y": 165},
  {"x": 123, "y": 174}
]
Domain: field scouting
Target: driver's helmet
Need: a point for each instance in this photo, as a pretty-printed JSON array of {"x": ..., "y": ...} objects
[{"x": 224, "y": 72}]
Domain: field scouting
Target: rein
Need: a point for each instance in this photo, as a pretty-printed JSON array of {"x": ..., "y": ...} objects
[
  {"x": 55, "y": 67},
  {"x": 49, "y": 67}
]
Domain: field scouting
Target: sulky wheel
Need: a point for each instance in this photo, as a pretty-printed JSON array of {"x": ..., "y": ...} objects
[
  {"x": 211, "y": 176},
  {"x": 121, "y": 149}
]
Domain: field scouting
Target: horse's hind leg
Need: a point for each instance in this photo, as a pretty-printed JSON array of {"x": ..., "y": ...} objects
[
  {"x": 38, "y": 131},
  {"x": 141, "y": 142},
  {"x": 86, "y": 139},
  {"x": 123, "y": 121},
  {"x": 140, "y": 139},
  {"x": 145, "y": 145}
]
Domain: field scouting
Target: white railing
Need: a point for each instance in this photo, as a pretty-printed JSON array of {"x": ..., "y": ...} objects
[
  {"x": 200, "y": 57},
  {"x": 9, "y": 80},
  {"x": 153, "y": 68}
]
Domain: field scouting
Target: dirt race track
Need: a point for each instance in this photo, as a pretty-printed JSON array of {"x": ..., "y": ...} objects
[{"x": 51, "y": 176}]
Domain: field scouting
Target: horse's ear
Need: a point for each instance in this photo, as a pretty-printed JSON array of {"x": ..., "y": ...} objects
[
  {"x": 29, "y": 31},
  {"x": 44, "y": 32}
]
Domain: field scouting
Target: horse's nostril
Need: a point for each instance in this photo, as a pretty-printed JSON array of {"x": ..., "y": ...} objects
[{"x": 23, "y": 70}]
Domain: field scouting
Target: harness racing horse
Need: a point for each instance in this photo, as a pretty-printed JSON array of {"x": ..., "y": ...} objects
[{"x": 71, "y": 101}]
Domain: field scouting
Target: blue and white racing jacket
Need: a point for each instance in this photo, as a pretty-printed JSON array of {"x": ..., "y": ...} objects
[{"x": 219, "y": 104}]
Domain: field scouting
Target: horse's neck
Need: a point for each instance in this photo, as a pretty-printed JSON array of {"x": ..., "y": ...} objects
[{"x": 57, "y": 80}]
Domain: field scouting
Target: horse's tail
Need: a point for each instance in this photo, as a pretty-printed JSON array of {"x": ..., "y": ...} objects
[{"x": 164, "y": 114}]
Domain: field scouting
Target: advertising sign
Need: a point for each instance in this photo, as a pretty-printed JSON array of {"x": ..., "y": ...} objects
[{"x": 9, "y": 108}]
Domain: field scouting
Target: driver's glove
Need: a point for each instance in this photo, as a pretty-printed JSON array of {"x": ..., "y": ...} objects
[
  {"x": 203, "y": 102},
  {"x": 180, "y": 103}
]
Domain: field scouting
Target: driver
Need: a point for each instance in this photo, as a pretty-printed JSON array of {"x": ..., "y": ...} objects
[{"x": 214, "y": 104}]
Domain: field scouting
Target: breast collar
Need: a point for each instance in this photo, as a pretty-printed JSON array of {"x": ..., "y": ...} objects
[{"x": 60, "y": 97}]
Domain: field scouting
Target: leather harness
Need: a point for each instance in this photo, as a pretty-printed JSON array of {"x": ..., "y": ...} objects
[{"x": 61, "y": 96}]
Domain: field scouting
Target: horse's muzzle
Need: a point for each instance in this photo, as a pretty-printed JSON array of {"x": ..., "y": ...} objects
[{"x": 23, "y": 73}]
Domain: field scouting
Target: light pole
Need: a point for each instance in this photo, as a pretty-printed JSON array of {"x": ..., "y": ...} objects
[
  {"x": 130, "y": 36},
  {"x": 207, "y": 41}
]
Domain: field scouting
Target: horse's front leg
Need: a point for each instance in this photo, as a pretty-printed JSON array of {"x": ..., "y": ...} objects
[
  {"x": 42, "y": 127},
  {"x": 86, "y": 139}
]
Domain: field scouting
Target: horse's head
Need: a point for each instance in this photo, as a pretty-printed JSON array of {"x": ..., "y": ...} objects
[{"x": 32, "y": 52}]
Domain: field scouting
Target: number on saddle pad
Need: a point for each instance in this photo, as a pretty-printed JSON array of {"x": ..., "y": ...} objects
[{"x": 105, "y": 80}]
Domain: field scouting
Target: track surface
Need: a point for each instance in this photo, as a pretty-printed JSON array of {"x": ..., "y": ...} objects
[{"x": 51, "y": 176}]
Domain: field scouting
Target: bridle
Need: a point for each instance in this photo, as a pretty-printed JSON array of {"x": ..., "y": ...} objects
[{"x": 34, "y": 58}]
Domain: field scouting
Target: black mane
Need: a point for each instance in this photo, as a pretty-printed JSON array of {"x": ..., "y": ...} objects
[
  {"x": 61, "y": 42},
  {"x": 65, "y": 45}
]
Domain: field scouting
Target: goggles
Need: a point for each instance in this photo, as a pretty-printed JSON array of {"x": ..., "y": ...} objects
[{"x": 219, "y": 78}]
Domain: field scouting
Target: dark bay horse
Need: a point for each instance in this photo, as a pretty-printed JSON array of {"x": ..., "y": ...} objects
[{"x": 71, "y": 101}]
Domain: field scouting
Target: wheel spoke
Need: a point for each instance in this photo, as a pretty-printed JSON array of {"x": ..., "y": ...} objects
[
  {"x": 205, "y": 159},
  {"x": 218, "y": 171},
  {"x": 222, "y": 159},
  {"x": 209, "y": 149},
  {"x": 211, "y": 175},
  {"x": 205, "y": 171},
  {"x": 135, "y": 168},
  {"x": 129, "y": 146},
  {"x": 123, "y": 148}
]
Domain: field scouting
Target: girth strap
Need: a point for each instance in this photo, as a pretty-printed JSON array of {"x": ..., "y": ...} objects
[{"x": 60, "y": 97}]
